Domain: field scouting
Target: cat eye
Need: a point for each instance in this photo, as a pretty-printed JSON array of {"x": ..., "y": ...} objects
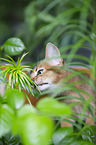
[{"x": 40, "y": 71}]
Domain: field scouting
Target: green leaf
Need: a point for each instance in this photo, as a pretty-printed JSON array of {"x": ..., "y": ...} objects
[
  {"x": 22, "y": 57},
  {"x": 17, "y": 76},
  {"x": 52, "y": 107},
  {"x": 10, "y": 139},
  {"x": 15, "y": 98},
  {"x": 6, "y": 119},
  {"x": 46, "y": 17},
  {"x": 67, "y": 136},
  {"x": 72, "y": 141},
  {"x": 2, "y": 77},
  {"x": 26, "y": 109},
  {"x": 12, "y": 61},
  {"x": 13, "y": 46},
  {"x": 88, "y": 133},
  {"x": 35, "y": 129},
  {"x": 60, "y": 134},
  {"x": 21, "y": 113}
]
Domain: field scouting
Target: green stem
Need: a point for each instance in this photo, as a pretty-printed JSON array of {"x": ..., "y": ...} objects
[{"x": 29, "y": 101}]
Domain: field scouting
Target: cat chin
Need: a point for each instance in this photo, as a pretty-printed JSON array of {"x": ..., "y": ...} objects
[
  {"x": 46, "y": 86},
  {"x": 43, "y": 87}
]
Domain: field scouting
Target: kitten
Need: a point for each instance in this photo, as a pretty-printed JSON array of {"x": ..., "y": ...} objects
[{"x": 48, "y": 75}]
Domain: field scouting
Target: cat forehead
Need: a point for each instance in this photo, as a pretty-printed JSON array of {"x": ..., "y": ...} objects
[{"x": 43, "y": 65}]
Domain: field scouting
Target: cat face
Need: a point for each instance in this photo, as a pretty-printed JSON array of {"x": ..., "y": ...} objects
[{"x": 46, "y": 75}]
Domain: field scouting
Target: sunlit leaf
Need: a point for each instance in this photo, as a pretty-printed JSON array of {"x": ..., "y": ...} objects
[
  {"x": 21, "y": 113},
  {"x": 26, "y": 109},
  {"x": 13, "y": 46},
  {"x": 52, "y": 107},
  {"x": 36, "y": 129},
  {"x": 6, "y": 119},
  {"x": 15, "y": 98},
  {"x": 61, "y": 134}
]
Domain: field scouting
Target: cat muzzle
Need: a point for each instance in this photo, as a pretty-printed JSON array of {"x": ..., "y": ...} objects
[{"x": 42, "y": 84}]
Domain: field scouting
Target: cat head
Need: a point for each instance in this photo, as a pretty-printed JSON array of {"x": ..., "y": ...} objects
[{"x": 46, "y": 75}]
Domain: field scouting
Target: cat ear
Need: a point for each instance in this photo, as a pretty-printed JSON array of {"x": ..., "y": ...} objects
[{"x": 53, "y": 55}]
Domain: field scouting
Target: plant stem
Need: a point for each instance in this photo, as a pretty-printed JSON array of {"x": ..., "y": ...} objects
[{"x": 28, "y": 100}]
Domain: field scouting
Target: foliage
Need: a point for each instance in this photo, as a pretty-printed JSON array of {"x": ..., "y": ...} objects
[
  {"x": 13, "y": 46},
  {"x": 62, "y": 22},
  {"x": 30, "y": 123},
  {"x": 70, "y": 25},
  {"x": 17, "y": 75},
  {"x": 17, "y": 72},
  {"x": 67, "y": 136},
  {"x": 35, "y": 125},
  {"x": 10, "y": 139},
  {"x": 53, "y": 107}
]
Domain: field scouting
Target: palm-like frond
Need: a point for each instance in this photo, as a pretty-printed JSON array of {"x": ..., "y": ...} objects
[{"x": 17, "y": 74}]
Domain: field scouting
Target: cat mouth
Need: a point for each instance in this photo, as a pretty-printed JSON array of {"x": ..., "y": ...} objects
[
  {"x": 39, "y": 85},
  {"x": 42, "y": 84}
]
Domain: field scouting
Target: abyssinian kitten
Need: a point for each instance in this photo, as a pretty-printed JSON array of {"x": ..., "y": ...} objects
[{"x": 48, "y": 76}]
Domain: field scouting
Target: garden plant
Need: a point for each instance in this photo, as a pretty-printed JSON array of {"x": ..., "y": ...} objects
[
  {"x": 26, "y": 124},
  {"x": 70, "y": 25}
]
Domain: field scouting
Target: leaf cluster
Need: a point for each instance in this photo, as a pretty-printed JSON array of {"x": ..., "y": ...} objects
[
  {"x": 33, "y": 125},
  {"x": 17, "y": 74}
]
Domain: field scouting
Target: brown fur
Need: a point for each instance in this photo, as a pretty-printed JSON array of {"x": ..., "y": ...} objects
[{"x": 57, "y": 77}]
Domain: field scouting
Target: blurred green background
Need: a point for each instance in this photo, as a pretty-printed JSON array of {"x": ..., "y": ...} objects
[{"x": 65, "y": 23}]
